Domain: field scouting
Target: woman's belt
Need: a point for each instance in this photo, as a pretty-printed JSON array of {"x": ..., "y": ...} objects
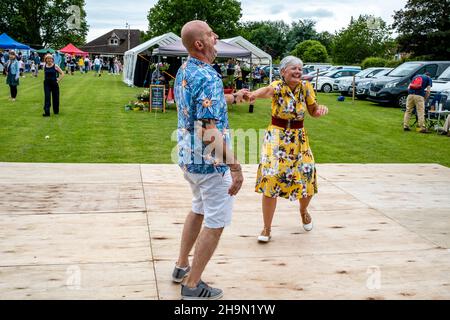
[{"x": 287, "y": 124}]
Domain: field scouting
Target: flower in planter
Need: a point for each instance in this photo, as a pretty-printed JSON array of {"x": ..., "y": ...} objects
[
  {"x": 144, "y": 96},
  {"x": 162, "y": 66}
]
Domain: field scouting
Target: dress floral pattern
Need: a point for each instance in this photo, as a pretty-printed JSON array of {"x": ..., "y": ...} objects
[{"x": 287, "y": 168}]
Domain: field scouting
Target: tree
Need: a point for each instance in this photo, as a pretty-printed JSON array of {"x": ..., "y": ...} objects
[
  {"x": 424, "y": 28},
  {"x": 171, "y": 15},
  {"x": 365, "y": 37},
  {"x": 326, "y": 39},
  {"x": 45, "y": 22},
  {"x": 299, "y": 32},
  {"x": 269, "y": 36},
  {"x": 311, "y": 51}
]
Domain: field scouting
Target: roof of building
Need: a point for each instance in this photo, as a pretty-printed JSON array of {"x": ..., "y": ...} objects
[{"x": 102, "y": 45}]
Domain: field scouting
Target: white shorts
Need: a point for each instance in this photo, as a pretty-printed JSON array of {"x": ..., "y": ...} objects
[{"x": 211, "y": 198}]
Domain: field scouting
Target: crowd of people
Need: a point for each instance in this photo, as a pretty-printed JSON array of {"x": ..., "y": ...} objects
[
  {"x": 240, "y": 73},
  {"x": 34, "y": 62},
  {"x": 16, "y": 65}
]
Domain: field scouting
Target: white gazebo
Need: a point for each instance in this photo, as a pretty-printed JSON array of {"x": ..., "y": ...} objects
[
  {"x": 258, "y": 56},
  {"x": 131, "y": 56}
]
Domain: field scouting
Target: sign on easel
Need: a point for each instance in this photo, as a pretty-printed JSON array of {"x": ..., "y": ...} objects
[{"x": 158, "y": 98}]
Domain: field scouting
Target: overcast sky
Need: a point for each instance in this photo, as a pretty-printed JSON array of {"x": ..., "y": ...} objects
[{"x": 104, "y": 16}]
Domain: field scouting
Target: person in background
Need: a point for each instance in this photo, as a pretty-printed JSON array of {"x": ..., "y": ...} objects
[
  {"x": 111, "y": 66},
  {"x": 33, "y": 68},
  {"x": 97, "y": 66},
  {"x": 21, "y": 67},
  {"x": 53, "y": 75},
  {"x": 12, "y": 74},
  {"x": 81, "y": 65},
  {"x": 416, "y": 99},
  {"x": 238, "y": 76},
  {"x": 446, "y": 129},
  {"x": 87, "y": 64},
  {"x": 217, "y": 68},
  {"x": 37, "y": 61}
]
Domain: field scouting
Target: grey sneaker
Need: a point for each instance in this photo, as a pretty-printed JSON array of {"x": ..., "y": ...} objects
[
  {"x": 179, "y": 274},
  {"x": 201, "y": 292}
]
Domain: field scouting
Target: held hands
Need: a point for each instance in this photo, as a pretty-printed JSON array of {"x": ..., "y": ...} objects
[
  {"x": 241, "y": 95},
  {"x": 250, "y": 97},
  {"x": 320, "y": 111}
]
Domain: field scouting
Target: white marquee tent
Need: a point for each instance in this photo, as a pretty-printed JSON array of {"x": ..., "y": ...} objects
[
  {"x": 131, "y": 56},
  {"x": 258, "y": 55}
]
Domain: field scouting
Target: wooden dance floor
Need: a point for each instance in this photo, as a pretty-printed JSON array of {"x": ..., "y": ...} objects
[{"x": 113, "y": 231}]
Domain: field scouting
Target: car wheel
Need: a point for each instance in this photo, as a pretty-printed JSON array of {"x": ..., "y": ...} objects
[
  {"x": 401, "y": 100},
  {"x": 326, "y": 88}
]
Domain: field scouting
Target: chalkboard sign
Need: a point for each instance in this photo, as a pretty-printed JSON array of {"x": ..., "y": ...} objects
[{"x": 158, "y": 98}]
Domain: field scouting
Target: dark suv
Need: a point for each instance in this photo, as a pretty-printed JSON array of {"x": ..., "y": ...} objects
[{"x": 393, "y": 88}]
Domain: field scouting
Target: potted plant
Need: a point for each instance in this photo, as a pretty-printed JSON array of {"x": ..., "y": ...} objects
[
  {"x": 228, "y": 84},
  {"x": 128, "y": 106},
  {"x": 245, "y": 72},
  {"x": 144, "y": 96},
  {"x": 138, "y": 106}
]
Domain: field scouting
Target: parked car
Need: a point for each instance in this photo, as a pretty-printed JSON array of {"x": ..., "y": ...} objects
[
  {"x": 363, "y": 85},
  {"x": 440, "y": 91},
  {"x": 344, "y": 67},
  {"x": 312, "y": 68},
  {"x": 325, "y": 82},
  {"x": 345, "y": 84},
  {"x": 442, "y": 82},
  {"x": 312, "y": 75},
  {"x": 393, "y": 89},
  {"x": 275, "y": 71}
]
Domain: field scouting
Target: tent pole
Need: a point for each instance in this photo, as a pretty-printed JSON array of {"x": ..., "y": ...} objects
[
  {"x": 251, "y": 73},
  {"x": 271, "y": 71}
]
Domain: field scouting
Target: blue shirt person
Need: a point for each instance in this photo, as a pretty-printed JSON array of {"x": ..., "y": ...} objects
[{"x": 199, "y": 93}]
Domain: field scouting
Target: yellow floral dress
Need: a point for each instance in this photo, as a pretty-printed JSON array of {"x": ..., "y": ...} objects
[{"x": 287, "y": 167}]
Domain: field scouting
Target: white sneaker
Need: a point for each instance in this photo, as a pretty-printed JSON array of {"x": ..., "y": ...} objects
[
  {"x": 264, "y": 236},
  {"x": 307, "y": 226}
]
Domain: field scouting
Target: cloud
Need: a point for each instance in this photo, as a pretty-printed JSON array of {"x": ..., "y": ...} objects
[
  {"x": 330, "y": 15},
  {"x": 309, "y": 14},
  {"x": 276, "y": 9}
]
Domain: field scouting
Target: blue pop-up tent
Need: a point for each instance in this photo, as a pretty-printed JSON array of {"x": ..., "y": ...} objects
[{"x": 6, "y": 42}]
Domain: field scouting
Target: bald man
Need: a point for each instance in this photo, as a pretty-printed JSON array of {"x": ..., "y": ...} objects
[{"x": 209, "y": 165}]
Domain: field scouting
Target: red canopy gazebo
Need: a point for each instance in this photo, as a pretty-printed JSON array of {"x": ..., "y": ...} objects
[{"x": 71, "y": 49}]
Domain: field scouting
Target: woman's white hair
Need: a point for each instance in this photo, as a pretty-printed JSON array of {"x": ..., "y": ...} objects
[{"x": 290, "y": 60}]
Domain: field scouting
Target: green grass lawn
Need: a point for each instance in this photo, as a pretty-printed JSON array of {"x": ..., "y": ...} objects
[{"x": 93, "y": 127}]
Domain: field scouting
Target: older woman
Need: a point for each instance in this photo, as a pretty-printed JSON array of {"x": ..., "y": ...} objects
[
  {"x": 287, "y": 167},
  {"x": 12, "y": 74}
]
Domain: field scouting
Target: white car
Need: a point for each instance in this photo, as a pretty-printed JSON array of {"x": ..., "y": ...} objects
[
  {"x": 325, "y": 82},
  {"x": 443, "y": 82},
  {"x": 345, "y": 84},
  {"x": 441, "y": 86}
]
